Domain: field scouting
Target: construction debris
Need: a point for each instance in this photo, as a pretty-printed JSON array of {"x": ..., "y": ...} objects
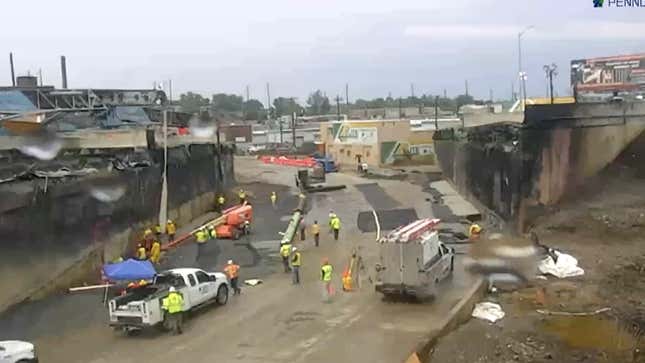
[
  {"x": 488, "y": 311},
  {"x": 563, "y": 266}
]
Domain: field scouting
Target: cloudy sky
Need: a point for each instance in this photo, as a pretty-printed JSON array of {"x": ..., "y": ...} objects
[{"x": 377, "y": 46}]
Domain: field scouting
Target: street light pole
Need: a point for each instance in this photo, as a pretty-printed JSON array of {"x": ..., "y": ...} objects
[{"x": 521, "y": 73}]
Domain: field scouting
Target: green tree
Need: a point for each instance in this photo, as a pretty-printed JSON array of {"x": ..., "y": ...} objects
[
  {"x": 254, "y": 110},
  {"x": 464, "y": 100},
  {"x": 318, "y": 103},
  {"x": 192, "y": 102},
  {"x": 226, "y": 102},
  {"x": 286, "y": 106}
]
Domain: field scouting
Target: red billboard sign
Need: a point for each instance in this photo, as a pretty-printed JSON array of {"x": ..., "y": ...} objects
[{"x": 609, "y": 74}]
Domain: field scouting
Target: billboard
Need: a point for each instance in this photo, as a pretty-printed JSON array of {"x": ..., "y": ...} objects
[{"x": 609, "y": 74}]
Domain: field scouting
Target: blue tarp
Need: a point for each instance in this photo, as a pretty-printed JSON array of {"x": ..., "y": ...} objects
[
  {"x": 15, "y": 101},
  {"x": 129, "y": 270}
]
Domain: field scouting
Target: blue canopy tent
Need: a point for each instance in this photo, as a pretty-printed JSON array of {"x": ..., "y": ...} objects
[{"x": 129, "y": 270}]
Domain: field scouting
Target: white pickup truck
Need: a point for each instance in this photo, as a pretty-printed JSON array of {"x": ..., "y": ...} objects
[
  {"x": 16, "y": 351},
  {"x": 142, "y": 307}
]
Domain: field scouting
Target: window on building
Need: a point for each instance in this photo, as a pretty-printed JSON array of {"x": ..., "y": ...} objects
[{"x": 414, "y": 150}]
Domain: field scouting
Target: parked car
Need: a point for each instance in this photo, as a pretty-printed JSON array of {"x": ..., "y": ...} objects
[{"x": 16, "y": 351}]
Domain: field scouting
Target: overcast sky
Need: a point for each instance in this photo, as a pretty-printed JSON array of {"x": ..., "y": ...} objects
[{"x": 376, "y": 46}]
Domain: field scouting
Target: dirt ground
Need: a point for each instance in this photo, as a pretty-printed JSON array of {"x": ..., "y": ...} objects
[{"x": 604, "y": 229}]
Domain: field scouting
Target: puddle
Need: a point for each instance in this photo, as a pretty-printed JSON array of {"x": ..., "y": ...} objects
[{"x": 592, "y": 332}]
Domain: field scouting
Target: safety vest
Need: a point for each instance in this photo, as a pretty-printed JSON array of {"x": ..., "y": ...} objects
[
  {"x": 171, "y": 228},
  {"x": 315, "y": 229},
  {"x": 335, "y": 223},
  {"x": 201, "y": 236},
  {"x": 213, "y": 232},
  {"x": 141, "y": 253},
  {"x": 295, "y": 261},
  {"x": 173, "y": 303},
  {"x": 285, "y": 250},
  {"x": 474, "y": 230},
  {"x": 155, "y": 252},
  {"x": 220, "y": 200},
  {"x": 326, "y": 272},
  {"x": 242, "y": 195},
  {"x": 273, "y": 197},
  {"x": 231, "y": 271},
  {"x": 158, "y": 228}
]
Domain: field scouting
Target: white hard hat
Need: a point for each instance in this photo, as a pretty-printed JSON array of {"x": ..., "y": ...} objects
[
  {"x": 294, "y": 249},
  {"x": 172, "y": 289},
  {"x": 170, "y": 221},
  {"x": 230, "y": 262}
]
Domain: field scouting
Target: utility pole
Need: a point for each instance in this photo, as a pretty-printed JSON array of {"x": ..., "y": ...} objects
[
  {"x": 40, "y": 77},
  {"x": 247, "y": 93},
  {"x": 466, "y": 87},
  {"x": 281, "y": 139},
  {"x": 170, "y": 91},
  {"x": 521, "y": 73},
  {"x": 412, "y": 89},
  {"x": 490, "y": 91},
  {"x": 445, "y": 93},
  {"x": 338, "y": 107},
  {"x": 242, "y": 106},
  {"x": 400, "y": 108},
  {"x": 347, "y": 95},
  {"x": 512, "y": 91},
  {"x": 268, "y": 103},
  {"x": 436, "y": 113},
  {"x": 551, "y": 71},
  {"x": 293, "y": 129}
]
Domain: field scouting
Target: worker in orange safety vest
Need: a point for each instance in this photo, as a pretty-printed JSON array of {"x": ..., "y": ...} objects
[{"x": 232, "y": 271}]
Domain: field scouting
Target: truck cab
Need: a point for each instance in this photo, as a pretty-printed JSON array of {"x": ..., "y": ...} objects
[{"x": 413, "y": 261}]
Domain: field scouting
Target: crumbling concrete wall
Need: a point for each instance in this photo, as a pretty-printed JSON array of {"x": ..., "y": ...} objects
[
  {"x": 517, "y": 171},
  {"x": 59, "y": 235}
]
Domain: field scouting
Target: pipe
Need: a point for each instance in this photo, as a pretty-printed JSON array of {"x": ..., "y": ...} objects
[
  {"x": 63, "y": 71},
  {"x": 296, "y": 218},
  {"x": 13, "y": 72}
]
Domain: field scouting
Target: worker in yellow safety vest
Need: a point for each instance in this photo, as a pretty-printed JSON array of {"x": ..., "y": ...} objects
[
  {"x": 201, "y": 236},
  {"x": 285, "y": 251},
  {"x": 335, "y": 226},
  {"x": 171, "y": 229},
  {"x": 155, "y": 252},
  {"x": 274, "y": 199},
  {"x": 141, "y": 252},
  {"x": 474, "y": 232},
  {"x": 212, "y": 232},
  {"x": 242, "y": 195},
  {"x": 325, "y": 276},
  {"x": 315, "y": 231},
  {"x": 173, "y": 305},
  {"x": 332, "y": 215},
  {"x": 296, "y": 262},
  {"x": 220, "y": 203},
  {"x": 158, "y": 230}
]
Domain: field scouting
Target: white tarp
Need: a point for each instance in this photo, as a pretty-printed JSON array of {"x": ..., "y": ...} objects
[
  {"x": 566, "y": 266},
  {"x": 488, "y": 311}
]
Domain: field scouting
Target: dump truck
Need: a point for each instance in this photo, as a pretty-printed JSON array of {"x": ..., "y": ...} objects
[
  {"x": 142, "y": 307},
  {"x": 413, "y": 261}
]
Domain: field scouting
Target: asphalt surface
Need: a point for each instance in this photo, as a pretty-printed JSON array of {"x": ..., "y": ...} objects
[{"x": 272, "y": 322}]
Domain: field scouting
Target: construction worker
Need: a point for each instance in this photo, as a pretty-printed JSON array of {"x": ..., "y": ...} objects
[
  {"x": 141, "y": 252},
  {"x": 201, "y": 236},
  {"x": 220, "y": 203},
  {"x": 173, "y": 304},
  {"x": 171, "y": 229},
  {"x": 285, "y": 251},
  {"x": 212, "y": 232},
  {"x": 158, "y": 231},
  {"x": 148, "y": 236},
  {"x": 242, "y": 195},
  {"x": 274, "y": 199},
  {"x": 315, "y": 231},
  {"x": 231, "y": 271},
  {"x": 332, "y": 215},
  {"x": 325, "y": 276},
  {"x": 296, "y": 261},
  {"x": 474, "y": 232},
  {"x": 155, "y": 252},
  {"x": 335, "y": 226}
]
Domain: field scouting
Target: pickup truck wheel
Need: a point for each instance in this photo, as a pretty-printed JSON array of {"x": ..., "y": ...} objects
[{"x": 222, "y": 295}]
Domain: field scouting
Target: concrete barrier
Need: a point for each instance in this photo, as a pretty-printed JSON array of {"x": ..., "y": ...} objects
[{"x": 458, "y": 315}]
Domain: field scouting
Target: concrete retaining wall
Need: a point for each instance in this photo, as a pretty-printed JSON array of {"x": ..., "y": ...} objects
[{"x": 60, "y": 236}]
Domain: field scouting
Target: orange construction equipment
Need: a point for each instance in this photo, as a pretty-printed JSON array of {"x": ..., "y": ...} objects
[{"x": 232, "y": 224}]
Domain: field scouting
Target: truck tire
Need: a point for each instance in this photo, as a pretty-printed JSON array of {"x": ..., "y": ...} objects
[{"x": 222, "y": 295}]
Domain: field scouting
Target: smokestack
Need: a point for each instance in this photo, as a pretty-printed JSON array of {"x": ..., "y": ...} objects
[
  {"x": 63, "y": 71},
  {"x": 13, "y": 72}
]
